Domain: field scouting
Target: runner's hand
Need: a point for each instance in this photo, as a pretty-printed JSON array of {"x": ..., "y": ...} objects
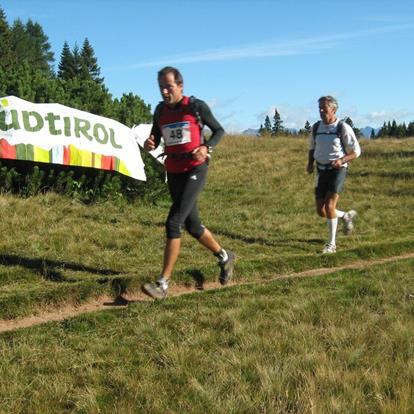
[
  {"x": 310, "y": 168},
  {"x": 149, "y": 144},
  {"x": 200, "y": 153},
  {"x": 337, "y": 164}
]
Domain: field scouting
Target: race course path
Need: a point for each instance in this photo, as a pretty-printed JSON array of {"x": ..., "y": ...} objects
[{"x": 107, "y": 302}]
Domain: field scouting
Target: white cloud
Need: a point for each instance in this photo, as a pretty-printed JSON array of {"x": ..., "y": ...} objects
[{"x": 302, "y": 46}]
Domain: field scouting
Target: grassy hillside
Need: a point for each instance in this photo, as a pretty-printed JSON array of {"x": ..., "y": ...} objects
[
  {"x": 338, "y": 343},
  {"x": 341, "y": 343},
  {"x": 258, "y": 202}
]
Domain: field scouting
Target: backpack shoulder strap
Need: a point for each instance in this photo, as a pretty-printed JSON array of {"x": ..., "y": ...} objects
[
  {"x": 195, "y": 109},
  {"x": 315, "y": 130},
  {"x": 341, "y": 131},
  {"x": 157, "y": 112}
]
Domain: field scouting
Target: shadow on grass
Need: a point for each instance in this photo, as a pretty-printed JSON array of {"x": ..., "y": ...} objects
[
  {"x": 198, "y": 277},
  {"x": 49, "y": 269},
  {"x": 265, "y": 242}
]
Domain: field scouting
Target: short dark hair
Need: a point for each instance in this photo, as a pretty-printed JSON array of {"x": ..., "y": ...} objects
[{"x": 169, "y": 69}]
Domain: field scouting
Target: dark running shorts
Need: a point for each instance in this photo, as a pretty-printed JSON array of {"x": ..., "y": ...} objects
[{"x": 329, "y": 181}]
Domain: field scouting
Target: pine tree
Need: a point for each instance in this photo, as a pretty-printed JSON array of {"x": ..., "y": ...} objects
[
  {"x": 356, "y": 130},
  {"x": 393, "y": 129},
  {"x": 19, "y": 42},
  {"x": 39, "y": 55},
  {"x": 401, "y": 130},
  {"x": 372, "y": 136},
  {"x": 307, "y": 127},
  {"x": 410, "y": 129},
  {"x": 277, "y": 128},
  {"x": 383, "y": 132},
  {"x": 78, "y": 60},
  {"x": 267, "y": 129},
  {"x": 67, "y": 65},
  {"x": 89, "y": 63},
  {"x": 131, "y": 110},
  {"x": 5, "y": 42}
]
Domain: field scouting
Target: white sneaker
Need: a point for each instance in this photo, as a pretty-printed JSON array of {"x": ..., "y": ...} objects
[
  {"x": 329, "y": 248},
  {"x": 348, "y": 221}
]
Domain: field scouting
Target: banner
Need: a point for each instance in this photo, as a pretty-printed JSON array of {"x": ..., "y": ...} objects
[
  {"x": 141, "y": 133},
  {"x": 57, "y": 134}
]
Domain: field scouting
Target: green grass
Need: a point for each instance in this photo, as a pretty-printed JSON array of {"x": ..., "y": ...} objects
[
  {"x": 258, "y": 202},
  {"x": 341, "y": 343}
]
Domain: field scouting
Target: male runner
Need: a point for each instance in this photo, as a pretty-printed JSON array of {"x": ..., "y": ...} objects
[
  {"x": 333, "y": 145},
  {"x": 179, "y": 120}
]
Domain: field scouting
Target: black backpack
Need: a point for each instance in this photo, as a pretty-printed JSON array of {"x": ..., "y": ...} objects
[
  {"x": 195, "y": 109},
  {"x": 340, "y": 131}
]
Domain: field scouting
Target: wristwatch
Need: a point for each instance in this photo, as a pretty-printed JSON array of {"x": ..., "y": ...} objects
[{"x": 209, "y": 148}]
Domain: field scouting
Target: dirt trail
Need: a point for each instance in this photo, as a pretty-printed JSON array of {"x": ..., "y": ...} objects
[{"x": 107, "y": 302}]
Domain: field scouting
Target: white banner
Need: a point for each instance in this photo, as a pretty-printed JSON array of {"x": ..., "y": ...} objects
[
  {"x": 141, "y": 133},
  {"x": 57, "y": 134}
]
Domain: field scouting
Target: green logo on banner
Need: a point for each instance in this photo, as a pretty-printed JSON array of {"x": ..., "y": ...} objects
[{"x": 32, "y": 121}]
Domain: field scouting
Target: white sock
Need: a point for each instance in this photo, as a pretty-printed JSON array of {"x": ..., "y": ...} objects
[
  {"x": 222, "y": 256},
  {"x": 332, "y": 225},
  {"x": 163, "y": 282},
  {"x": 340, "y": 214}
]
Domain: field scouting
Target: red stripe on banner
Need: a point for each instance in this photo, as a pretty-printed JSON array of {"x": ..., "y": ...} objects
[
  {"x": 66, "y": 156},
  {"x": 106, "y": 162},
  {"x": 7, "y": 150}
]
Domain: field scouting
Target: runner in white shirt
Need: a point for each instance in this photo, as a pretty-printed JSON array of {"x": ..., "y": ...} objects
[{"x": 333, "y": 145}]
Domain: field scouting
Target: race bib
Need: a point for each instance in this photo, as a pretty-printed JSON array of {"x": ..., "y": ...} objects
[{"x": 177, "y": 133}]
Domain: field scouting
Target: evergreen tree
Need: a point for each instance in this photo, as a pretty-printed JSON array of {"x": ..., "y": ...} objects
[
  {"x": 356, "y": 130},
  {"x": 267, "y": 129},
  {"x": 78, "y": 61},
  {"x": 67, "y": 68},
  {"x": 5, "y": 42},
  {"x": 307, "y": 127},
  {"x": 89, "y": 63},
  {"x": 4, "y": 26},
  {"x": 389, "y": 129},
  {"x": 87, "y": 96},
  {"x": 393, "y": 129},
  {"x": 39, "y": 54},
  {"x": 19, "y": 42},
  {"x": 401, "y": 130},
  {"x": 277, "y": 128},
  {"x": 372, "y": 136},
  {"x": 260, "y": 132},
  {"x": 131, "y": 110},
  {"x": 383, "y": 132},
  {"x": 410, "y": 129}
]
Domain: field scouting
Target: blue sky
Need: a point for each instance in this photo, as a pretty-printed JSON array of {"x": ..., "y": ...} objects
[{"x": 245, "y": 58}]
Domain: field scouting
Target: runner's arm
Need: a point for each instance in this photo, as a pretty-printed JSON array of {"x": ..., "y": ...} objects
[
  {"x": 208, "y": 119},
  {"x": 311, "y": 161}
]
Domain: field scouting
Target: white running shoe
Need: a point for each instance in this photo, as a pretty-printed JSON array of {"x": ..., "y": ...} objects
[
  {"x": 349, "y": 218},
  {"x": 329, "y": 248},
  {"x": 155, "y": 290}
]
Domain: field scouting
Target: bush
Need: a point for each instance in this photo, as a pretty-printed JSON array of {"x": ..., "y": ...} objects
[{"x": 88, "y": 185}]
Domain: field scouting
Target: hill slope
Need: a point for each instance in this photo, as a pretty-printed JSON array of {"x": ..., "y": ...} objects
[{"x": 258, "y": 202}]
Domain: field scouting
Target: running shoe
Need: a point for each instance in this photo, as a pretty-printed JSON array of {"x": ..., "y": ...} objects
[
  {"x": 349, "y": 218},
  {"x": 226, "y": 268},
  {"x": 329, "y": 248},
  {"x": 155, "y": 290}
]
